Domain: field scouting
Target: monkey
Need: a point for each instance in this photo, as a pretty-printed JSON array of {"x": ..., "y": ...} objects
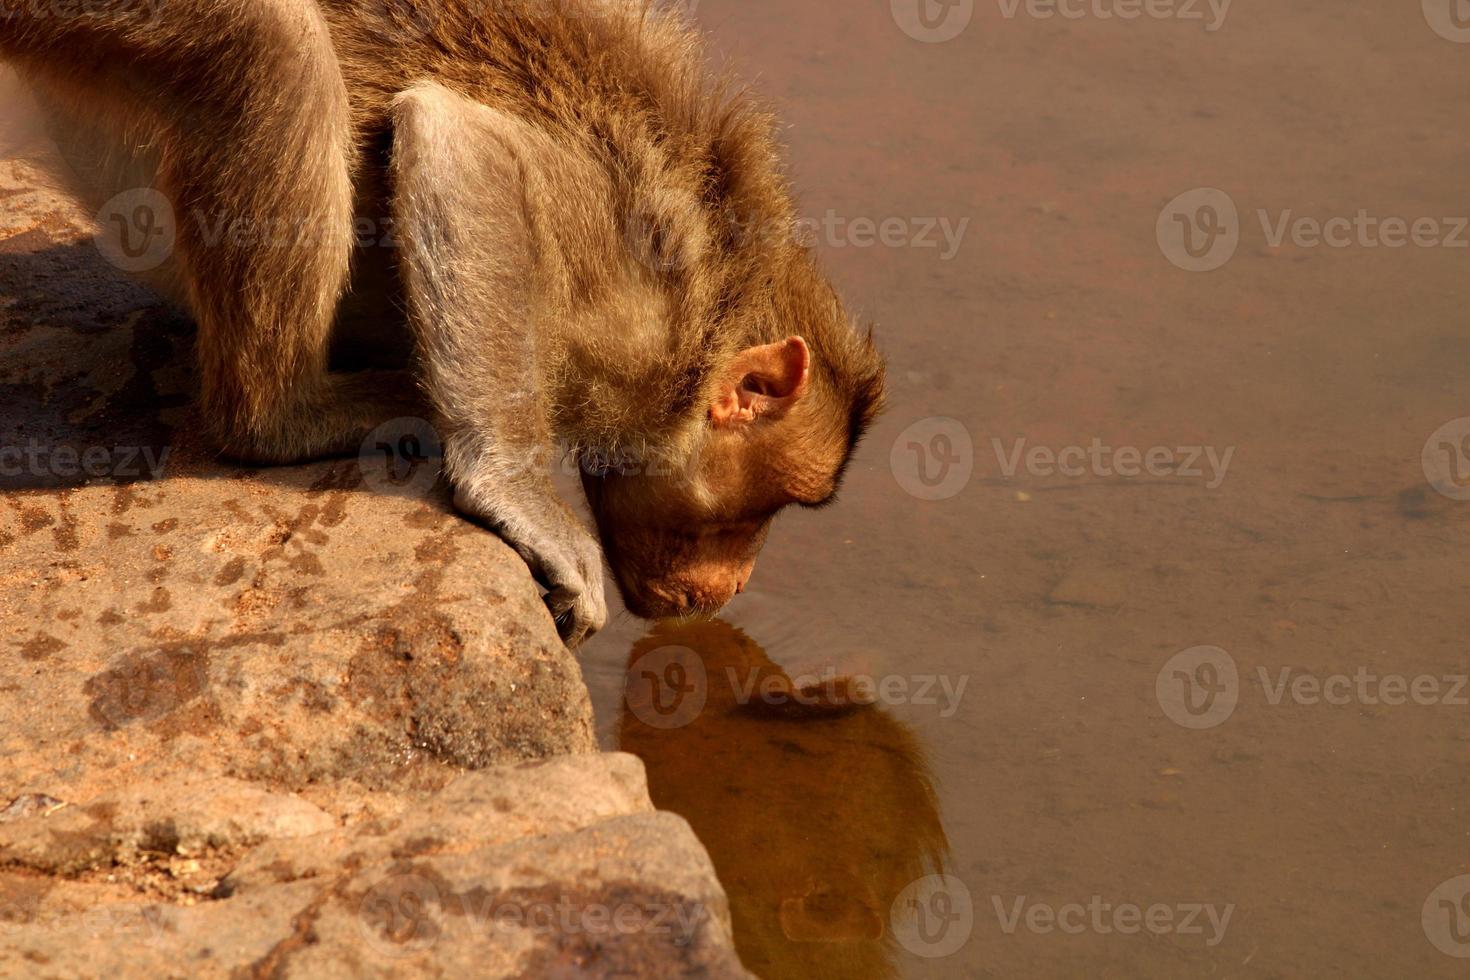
[{"x": 591, "y": 249}]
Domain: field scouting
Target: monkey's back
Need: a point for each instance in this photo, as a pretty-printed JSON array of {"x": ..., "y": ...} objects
[{"x": 626, "y": 77}]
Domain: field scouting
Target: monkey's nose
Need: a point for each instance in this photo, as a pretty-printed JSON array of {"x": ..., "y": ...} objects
[{"x": 706, "y": 598}]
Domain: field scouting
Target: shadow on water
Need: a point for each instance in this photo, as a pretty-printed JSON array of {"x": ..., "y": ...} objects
[{"x": 817, "y": 811}]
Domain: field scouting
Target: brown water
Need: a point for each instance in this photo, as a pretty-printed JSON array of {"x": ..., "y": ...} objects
[{"x": 1330, "y": 832}]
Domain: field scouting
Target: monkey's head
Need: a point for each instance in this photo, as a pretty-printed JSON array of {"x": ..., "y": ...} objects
[
  {"x": 760, "y": 387},
  {"x": 780, "y": 423}
]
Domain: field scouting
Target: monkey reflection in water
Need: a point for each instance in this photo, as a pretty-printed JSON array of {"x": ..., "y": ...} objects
[{"x": 817, "y": 811}]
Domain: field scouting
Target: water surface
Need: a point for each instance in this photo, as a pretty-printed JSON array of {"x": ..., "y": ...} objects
[{"x": 1060, "y": 780}]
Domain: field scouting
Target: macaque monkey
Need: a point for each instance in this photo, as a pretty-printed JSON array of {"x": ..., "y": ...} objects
[{"x": 592, "y": 243}]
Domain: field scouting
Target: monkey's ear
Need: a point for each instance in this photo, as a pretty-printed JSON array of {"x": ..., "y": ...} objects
[{"x": 762, "y": 381}]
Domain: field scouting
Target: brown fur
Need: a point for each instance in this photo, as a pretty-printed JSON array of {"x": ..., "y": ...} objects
[
  {"x": 591, "y": 231},
  {"x": 644, "y": 145}
]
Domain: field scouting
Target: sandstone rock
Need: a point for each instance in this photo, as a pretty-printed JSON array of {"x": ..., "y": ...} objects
[
  {"x": 179, "y": 815},
  {"x": 477, "y": 809},
  {"x": 281, "y": 722},
  {"x": 536, "y": 870},
  {"x": 297, "y": 625}
]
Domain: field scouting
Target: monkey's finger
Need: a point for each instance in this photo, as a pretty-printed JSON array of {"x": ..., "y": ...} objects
[{"x": 562, "y": 604}]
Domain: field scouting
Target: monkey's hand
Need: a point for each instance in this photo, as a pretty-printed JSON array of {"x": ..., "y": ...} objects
[
  {"x": 468, "y": 260},
  {"x": 561, "y": 553}
]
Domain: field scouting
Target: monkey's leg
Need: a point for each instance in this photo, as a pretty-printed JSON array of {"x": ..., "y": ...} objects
[
  {"x": 243, "y": 109},
  {"x": 468, "y": 266}
]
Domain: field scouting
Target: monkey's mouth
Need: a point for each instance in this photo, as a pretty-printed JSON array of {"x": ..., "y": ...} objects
[
  {"x": 668, "y": 600},
  {"x": 663, "y": 574}
]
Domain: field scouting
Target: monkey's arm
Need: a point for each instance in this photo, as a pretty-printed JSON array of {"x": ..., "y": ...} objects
[
  {"x": 218, "y": 118},
  {"x": 468, "y": 269}
]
